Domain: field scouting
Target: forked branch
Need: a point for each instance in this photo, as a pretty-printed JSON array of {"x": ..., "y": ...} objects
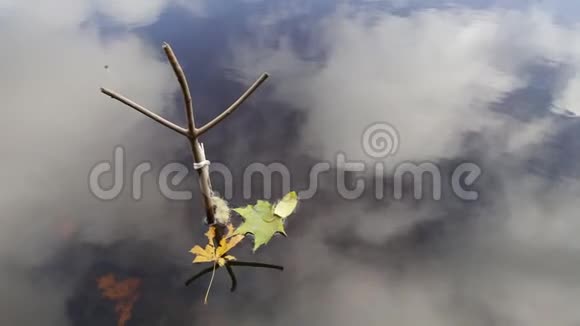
[{"x": 192, "y": 133}]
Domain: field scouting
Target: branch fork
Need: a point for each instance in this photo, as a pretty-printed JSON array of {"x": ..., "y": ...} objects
[{"x": 192, "y": 133}]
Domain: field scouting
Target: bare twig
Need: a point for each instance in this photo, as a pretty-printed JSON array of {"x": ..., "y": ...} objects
[
  {"x": 192, "y": 133},
  {"x": 252, "y": 264},
  {"x": 228, "y": 265},
  {"x": 184, "y": 86},
  {"x": 232, "y": 277},
  {"x": 145, "y": 111},
  {"x": 233, "y": 107},
  {"x": 196, "y": 148}
]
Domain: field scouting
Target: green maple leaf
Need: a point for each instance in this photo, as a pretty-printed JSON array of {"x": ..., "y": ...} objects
[
  {"x": 287, "y": 205},
  {"x": 263, "y": 220}
]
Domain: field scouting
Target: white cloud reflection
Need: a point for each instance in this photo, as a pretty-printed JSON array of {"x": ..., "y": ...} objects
[{"x": 435, "y": 75}]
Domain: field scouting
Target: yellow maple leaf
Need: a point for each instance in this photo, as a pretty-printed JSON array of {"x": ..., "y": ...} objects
[{"x": 210, "y": 253}]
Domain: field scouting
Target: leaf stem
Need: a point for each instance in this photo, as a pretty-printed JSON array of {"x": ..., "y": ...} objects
[{"x": 215, "y": 264}]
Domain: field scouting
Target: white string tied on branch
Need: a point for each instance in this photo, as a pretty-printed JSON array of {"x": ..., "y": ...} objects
[
  {"x": 204, "y": 162},
  {"x": 201, "y": 165}
]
